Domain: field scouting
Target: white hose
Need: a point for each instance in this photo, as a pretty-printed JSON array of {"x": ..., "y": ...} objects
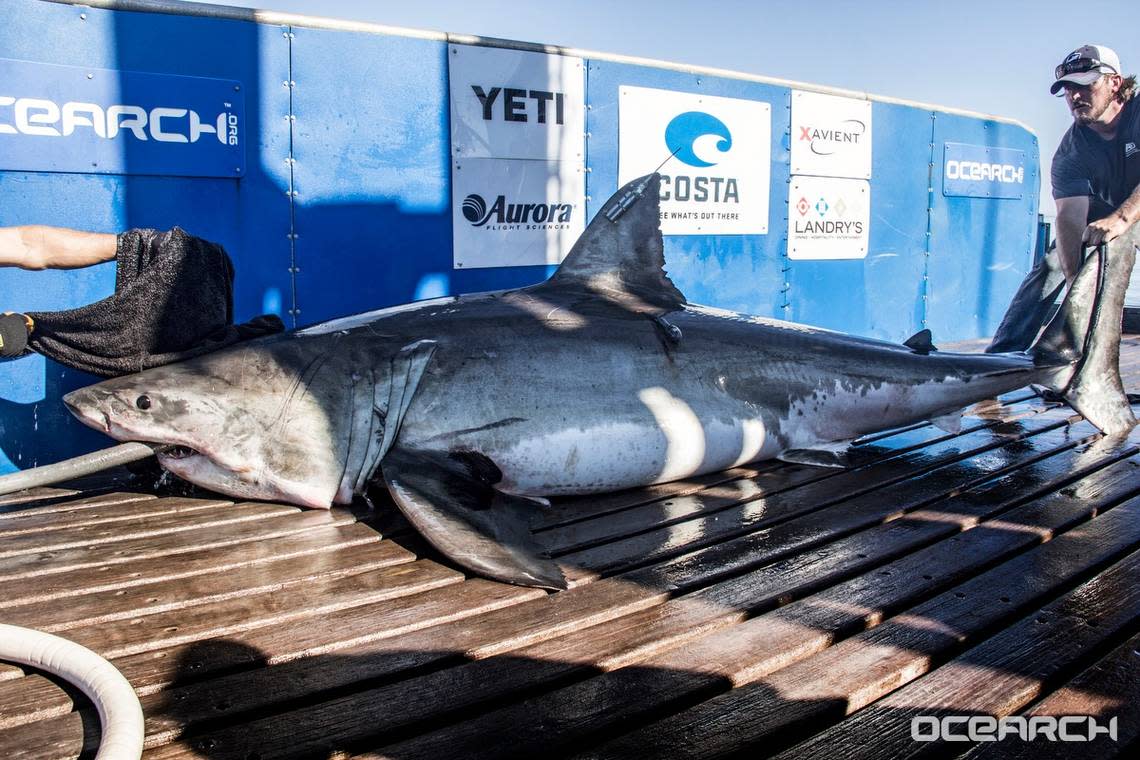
[
  {"x": 76, "y": 467},
  {"x": 120, "y": 713}
]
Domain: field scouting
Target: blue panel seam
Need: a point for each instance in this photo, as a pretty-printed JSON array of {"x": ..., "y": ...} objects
[
  {"x": 290, "y": 84},
  {"x": 925, "y": 287},
  {"x": 786, "y": 269}
]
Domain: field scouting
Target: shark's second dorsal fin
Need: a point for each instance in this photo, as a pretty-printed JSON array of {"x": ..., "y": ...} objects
[
  {"x": 921, "y": 342},
  {"x": 620, "y": 256}
]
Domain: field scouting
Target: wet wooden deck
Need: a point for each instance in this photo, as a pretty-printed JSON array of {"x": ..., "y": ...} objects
[{"x": 766, "y": 610}]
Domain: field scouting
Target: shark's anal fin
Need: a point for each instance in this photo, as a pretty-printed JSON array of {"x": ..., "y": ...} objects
[
  {"x": 922, "y": 342},
  {"x": 448, "y": 498},
  {"x": 824, "y": 455},
  {"x": 948, "y": 423}
]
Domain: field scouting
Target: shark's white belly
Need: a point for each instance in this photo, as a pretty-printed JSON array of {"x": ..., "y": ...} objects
[{"x": 673, "y": 442}]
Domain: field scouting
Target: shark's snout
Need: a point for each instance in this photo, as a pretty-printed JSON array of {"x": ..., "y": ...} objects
[{"x": 84, "y": 404}]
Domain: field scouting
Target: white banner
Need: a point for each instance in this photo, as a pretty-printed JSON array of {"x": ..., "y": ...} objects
[
  {"x": 831, "y": 135},
  {"x": 828, "y": 218},
  {"x": 516, "y": 104},
  {"x": 714, "y": 155},
  {"x": 509, "y": 213},
  {"x": 518, "y": 145}
]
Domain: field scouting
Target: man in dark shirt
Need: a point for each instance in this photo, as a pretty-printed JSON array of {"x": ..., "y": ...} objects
[{"x": 1096, "y": 183}]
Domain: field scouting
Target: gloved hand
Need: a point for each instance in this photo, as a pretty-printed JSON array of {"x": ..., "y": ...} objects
[{"x": 14, "y": 331}]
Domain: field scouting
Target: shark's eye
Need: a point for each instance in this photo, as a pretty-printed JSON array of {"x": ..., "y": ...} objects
[{"x": 143, "y": 402}]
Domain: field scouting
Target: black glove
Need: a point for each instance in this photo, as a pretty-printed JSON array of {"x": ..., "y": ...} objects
[{"x": 14, "y": 329}]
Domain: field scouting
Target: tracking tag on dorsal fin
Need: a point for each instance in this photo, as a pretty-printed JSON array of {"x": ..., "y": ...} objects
[
  {"x": 620, "y": 257},
  {"x": 921, "y": 342}
]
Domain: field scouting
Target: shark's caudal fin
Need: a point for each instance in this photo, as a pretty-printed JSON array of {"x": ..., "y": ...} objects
[
  {"x": 620, "y": 256},
  {"x": 1083, "y": 340}
]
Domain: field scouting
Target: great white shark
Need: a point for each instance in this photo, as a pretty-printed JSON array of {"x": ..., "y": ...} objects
[{"x": 473, "y": 409}]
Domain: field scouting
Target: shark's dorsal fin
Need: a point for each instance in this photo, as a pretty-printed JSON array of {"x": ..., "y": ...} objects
[
  {"x": 620, "y": 257},
  {"x": 921, "y": 342}
]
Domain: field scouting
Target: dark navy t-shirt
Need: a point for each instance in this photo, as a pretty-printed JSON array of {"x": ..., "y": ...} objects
[{"x": 1107, "y": 171}]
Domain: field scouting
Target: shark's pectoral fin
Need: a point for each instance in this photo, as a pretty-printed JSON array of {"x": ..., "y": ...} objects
[
  {"x": 823, "y": 455},
  {"x": 449, "y": 499}
]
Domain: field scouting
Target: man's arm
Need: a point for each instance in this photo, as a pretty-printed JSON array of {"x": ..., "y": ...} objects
[
  {"x": 1071, "y": 215},
  {"x": 1115, "y": 224},
  {"x": 41, "y": 247}
]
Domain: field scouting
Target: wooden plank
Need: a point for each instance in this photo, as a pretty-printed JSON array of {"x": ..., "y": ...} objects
[
  {"x": 1109, "y": 689},
  {"x": 848, "y": 675},
  {"x": 604, "y": 646},
  {"x": 299, "y": 560},
  {"x": 15, "y": 501},
  {"x": 999, "y": 676},
  {"x": 61, "y": 505},
  {"x": 152, "y": 671},
  {"x": 226, "y": 534},
  {"x": 119, "y": 511},
  {"x": 242, "y": 616},
  {"x": 164, "y": 525},
  {"x": 243, "y": 613},
  {"x": 678, "y": 678},
  {"x": 42, "y": 598},
  {"x": 377, "y": 659},
  {"x": 61, "y": 738}
]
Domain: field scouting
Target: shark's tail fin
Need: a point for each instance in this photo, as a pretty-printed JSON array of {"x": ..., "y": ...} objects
[{"x": 1082, "y": 342}]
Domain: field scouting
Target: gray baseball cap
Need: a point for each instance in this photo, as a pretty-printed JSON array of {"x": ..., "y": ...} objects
[{"x": 1085, "y": 65}]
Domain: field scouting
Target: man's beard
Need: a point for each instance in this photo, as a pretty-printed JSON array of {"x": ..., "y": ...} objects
[{"x": 1092, "y": 113}]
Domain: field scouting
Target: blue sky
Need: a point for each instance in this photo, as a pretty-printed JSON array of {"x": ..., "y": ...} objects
[{"x": 992, "y": 56}]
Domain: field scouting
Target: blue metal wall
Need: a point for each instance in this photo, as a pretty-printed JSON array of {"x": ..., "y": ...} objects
[{"x": 345, "y": 202}]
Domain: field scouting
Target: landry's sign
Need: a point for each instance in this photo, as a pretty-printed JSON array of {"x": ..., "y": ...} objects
[{"x": 100, "y": 121}]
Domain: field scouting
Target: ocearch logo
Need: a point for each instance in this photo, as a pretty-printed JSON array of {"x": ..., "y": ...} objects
[
  {"x": 988, "y": 728},
  {"x": 46, "y": 118},
  {"x": 979, "y": 171},
  {"x": 684, "y": 130}
]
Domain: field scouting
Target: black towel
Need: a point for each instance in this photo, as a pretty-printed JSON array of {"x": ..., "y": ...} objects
[{"x": 173, "y": 300}]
